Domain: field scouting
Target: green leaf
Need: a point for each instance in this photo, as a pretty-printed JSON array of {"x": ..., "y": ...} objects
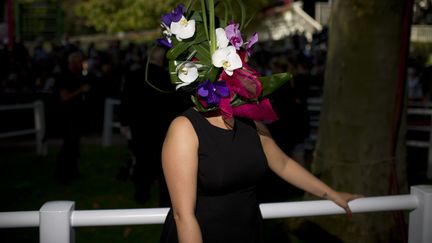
[
  {"x": 243, "y": 14},
  {"x": 172, "y": 67},
  {"x": 273, "y": 82},
  {"x": 199, "y": 106},
  {"x": 237, "y": 101},
  {"x": 230, "y": 10},
  {"x": 224, "y": 22},
  {"x": 212, "y": 73},
  {"x": 212, "y": 27},
  {"x": 202, "y": 53},
  {"x": 179, "y": 47},
  {"x": 146, "y": 76},
  {"x": 249, "y": 20},
  {"x": 204, "y": 16}
]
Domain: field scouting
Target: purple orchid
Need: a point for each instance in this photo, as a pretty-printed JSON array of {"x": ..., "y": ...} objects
[
  {"x": 251, "y": 42},
  {"x": 174, "y": 16},
  {"x": 164, "y": 42},
  {"x": 213, "y": 92},
  {"x": 234, "y": 36}
]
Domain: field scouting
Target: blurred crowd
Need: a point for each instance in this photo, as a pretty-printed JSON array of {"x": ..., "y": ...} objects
[
  {"x": 34, "y": 73},
  {"x": 30, "y": 73}
]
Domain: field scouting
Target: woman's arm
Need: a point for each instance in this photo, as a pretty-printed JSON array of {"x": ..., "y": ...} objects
[
  {"x": 295, "y": 174},
  {"x": 180, "y": 166}
]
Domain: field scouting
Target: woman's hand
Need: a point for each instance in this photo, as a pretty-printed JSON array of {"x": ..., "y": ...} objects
[{"x": 342, "y": 199}]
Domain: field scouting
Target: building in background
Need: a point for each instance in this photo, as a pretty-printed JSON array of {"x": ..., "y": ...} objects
[{"x": 29, "y": 21}]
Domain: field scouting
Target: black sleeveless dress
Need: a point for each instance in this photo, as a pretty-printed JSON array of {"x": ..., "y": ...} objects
[{"x": 231, "y": 163}]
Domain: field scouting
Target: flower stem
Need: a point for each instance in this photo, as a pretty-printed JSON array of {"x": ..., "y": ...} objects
[
  {"x": 204, "y": 15},
  {"x": 212, "y": 29}
]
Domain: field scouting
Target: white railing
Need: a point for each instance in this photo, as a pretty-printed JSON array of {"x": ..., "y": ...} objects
[
  {"x": 109, "y": 123},
  {"x": 425, "y": 109},
  {"x": 39, "y": 124},
  {"x": 56, "y": 220}
]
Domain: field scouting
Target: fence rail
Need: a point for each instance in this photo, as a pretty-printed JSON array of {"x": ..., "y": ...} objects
[
  {"x": 39, "y": 124},
  {"x": 56, "y": 220}
]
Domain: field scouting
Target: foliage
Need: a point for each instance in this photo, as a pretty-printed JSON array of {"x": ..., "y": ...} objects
[
  {"x": 121, "y": 15},
  {"x": 114, "y": 16}
]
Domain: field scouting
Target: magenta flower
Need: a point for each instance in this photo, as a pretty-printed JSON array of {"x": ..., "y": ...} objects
[
  {"x": 174, "y": 16},
  {"x": 213, "y": 92},
  {"x": 234, "y": 36}
]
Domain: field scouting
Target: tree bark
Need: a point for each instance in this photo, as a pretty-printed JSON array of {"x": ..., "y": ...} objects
[{"x": 360, "y": 139}]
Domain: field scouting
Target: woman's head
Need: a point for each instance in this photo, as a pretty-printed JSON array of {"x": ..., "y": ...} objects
[{"x": 208, "y": 56}]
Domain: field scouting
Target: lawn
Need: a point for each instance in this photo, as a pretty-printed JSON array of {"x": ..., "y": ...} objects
[{"x": 26, "y": 183}]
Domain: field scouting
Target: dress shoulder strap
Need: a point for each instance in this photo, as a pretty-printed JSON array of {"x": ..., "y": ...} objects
[{"x": 197, "y": 120}]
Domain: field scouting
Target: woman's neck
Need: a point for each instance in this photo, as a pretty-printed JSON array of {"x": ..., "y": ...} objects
[{"x": 216, "y": 119}]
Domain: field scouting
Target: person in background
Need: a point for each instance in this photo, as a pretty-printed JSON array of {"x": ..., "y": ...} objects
[
  {"x": 144, "y": 123},
  {"x": 72, "y": 88}
]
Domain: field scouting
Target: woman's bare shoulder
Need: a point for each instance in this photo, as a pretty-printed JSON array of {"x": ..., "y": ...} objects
[
  {"x": 181, "y": 126},
  {"x": 181, "y": 122},
  {"x": 181, "y": 137}
]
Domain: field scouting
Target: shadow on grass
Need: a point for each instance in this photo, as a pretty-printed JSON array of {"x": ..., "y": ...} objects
[{"x": 26, "y": 183}]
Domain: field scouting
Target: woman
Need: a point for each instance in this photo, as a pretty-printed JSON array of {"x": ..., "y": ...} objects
[
  {"x": 216, "y": 152},
  {"x": 214, "y": 204}
]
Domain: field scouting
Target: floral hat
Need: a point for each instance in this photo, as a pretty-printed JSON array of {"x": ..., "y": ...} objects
[{"x": 211, "y": 61}]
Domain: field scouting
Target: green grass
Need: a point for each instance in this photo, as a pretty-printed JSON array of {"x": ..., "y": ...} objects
[{"x": 26, "y": 183}]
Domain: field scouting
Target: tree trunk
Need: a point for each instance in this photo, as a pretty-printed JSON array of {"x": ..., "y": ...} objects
[{"x": 361, "y": 138}]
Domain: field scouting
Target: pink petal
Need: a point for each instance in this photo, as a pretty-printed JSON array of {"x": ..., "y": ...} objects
[
  {"x": 244, "y": 83},
  {"x": 225, "y": 108},
  {"x": 261, "y": 111}
]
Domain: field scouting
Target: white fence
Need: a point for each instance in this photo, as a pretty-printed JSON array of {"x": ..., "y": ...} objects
[
  {"x": 109, "y": 123},
  {"x": 56, "y": 220},
  {"x": 39, "y": 124}
]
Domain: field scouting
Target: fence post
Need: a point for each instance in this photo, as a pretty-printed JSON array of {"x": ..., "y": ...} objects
[
  {"x": 107, "y": 126},
  {"x": 39, "y": 120},
  {"x": 420, "y": 219},
  {"x": 55, "y": 222},
  {"x": 429, "y": 162}
]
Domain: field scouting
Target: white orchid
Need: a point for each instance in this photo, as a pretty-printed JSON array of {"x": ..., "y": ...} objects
[
  {"x": 183, "y": 29},
  {"x": 221, "y": 38},
  {"x": 227, "y": 58},
  {"x": 187, "y": 73}
]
